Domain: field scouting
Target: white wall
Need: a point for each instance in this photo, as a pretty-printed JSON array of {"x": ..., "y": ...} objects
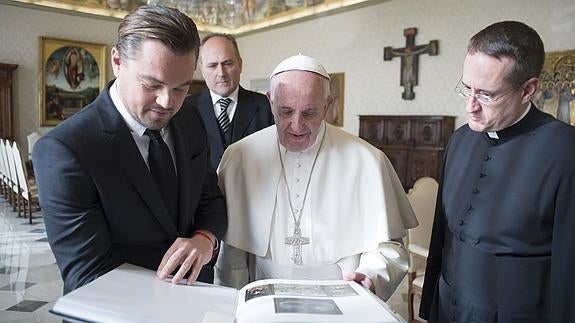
[
  {"x": 19, "y": 44},
  {"x": 351, "y": 42}
]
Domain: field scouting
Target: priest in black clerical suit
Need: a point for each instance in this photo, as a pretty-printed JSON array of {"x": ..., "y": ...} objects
[
  {"x": 502, "y": 239},
  {"x": 248, "y": 111}
]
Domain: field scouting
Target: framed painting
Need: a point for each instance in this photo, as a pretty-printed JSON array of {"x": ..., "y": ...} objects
[
  {"x": 334, "y": 115},
  {"x": 556, "y": 91},
  {"x": 72, "y": 74}
]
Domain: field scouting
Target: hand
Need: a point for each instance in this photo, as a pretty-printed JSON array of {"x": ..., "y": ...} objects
[
  {"x": 361, "y": 279},
  {"x": 188, "y": 253}
]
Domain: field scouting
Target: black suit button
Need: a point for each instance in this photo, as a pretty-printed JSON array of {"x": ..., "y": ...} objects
[
  {"x": 481, "y": 175},
  {"x": 476, "y": 191},
  {"x": 486, "y": 158}
]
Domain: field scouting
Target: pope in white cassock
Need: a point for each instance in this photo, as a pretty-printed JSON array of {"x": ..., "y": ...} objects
[{"x": 307, "y": 200}]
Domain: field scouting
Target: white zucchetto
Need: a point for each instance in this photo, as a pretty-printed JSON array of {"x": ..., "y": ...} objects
[{"x": 300, "y": 63}]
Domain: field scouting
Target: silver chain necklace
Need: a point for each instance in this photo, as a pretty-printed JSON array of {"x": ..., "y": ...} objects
[{"x": 297, "y": 240}]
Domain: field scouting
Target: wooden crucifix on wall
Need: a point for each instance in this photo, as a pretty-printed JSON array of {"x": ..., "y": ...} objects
[{"x": 410, "y": 60}]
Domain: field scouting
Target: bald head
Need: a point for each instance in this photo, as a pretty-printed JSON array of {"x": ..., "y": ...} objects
[{"x": 221, "y": 64}]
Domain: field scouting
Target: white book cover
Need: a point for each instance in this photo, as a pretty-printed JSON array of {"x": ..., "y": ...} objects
[{"x": 133, "y": 294}]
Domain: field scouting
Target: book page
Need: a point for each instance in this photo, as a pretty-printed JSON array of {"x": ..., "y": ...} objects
[
  {"x": 278, "y": 300},
  {"x": 135, "y": 294}
]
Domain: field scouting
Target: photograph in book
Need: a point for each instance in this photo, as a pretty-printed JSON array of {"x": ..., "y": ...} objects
[
  {"x": 300, "y": 290},
  {"x": 278, "y": 300},
  {"x": 305, "y": 305}
]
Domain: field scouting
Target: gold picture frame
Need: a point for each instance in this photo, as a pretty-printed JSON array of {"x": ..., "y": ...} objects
[
  {"x": 72, "y": 74},
  {"x": 556, "y": 91},
  {"x": 334, "y": 115}
]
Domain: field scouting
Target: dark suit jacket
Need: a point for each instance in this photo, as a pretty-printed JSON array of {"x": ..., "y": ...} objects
[
  {"x": 252, "y": 113},
  {"x": 100, "y": 204}
]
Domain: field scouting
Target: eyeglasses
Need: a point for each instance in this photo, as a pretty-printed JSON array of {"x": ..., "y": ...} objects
[{"x": 485, "y": 99}]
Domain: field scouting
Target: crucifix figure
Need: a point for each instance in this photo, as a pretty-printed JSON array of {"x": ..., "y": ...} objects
[
  {"x": 296, "y": 241},
  {"x": 410, "y": 59}
]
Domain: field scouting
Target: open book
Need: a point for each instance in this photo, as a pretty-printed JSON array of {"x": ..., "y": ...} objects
[{"x": 134, "y": 294}]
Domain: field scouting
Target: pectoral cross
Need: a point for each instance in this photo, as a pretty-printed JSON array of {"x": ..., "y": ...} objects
[
  {"x": 410, "y": 60},
  {"x": 296, "y": 241}
]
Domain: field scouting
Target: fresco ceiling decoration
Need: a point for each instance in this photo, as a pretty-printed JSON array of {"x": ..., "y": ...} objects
[{"x": 226, "y": 16}]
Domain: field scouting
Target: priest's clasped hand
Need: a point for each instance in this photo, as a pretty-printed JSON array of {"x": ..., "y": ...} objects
[
  {"x": 361, "y": 279},
  {"x": 191, "y": 254}
]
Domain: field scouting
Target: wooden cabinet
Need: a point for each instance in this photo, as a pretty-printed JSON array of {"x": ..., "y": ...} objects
[
  {"x": 6, "y": 83},
  {"x": 413, "y": 144}
]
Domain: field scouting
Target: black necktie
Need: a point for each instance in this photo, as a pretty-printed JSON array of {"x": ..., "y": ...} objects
[
  {"x": 163, "y": 171},
  {"x": 224, "y": 119}
]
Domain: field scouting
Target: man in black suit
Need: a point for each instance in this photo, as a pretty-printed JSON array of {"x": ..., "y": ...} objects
[
  {"x": 246, "y": 112},
  {"x": 102, "y": 189}
]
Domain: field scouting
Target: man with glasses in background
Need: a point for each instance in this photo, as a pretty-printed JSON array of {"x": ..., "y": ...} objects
[{"x": 505, "y": 217}]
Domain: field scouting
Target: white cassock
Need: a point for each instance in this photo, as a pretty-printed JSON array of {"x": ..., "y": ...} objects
[{"x": 354, "y": 206}]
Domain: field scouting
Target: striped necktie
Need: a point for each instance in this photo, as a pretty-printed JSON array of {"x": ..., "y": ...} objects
[{"x": 224, "y": 119}]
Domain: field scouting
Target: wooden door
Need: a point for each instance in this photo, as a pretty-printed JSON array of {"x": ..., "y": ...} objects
[{"x": 6, "y": 84}]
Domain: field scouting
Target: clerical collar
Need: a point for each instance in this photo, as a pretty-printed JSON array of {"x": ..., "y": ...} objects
[
  {"x": 532, "y": 119},
  {"x": 494, "y": 135}
]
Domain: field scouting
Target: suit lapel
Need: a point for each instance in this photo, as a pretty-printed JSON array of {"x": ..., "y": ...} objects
[
  {"x": 125, "y": 151},
  {"x": 245, "y": 112},
  {"x": 187, "y": 177},
  {"x": 206, "y": 110}
]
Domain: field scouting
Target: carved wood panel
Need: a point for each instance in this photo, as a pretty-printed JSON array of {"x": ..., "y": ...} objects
[
  {"x": 398, "y": 132},
  {"x": 413, "y": 144},
  {"x": 6, "y": 112},
  {"x": 422, "y": 163},
  {"x": 397, "y": 156},
  {"x": 372, "y": 130}
]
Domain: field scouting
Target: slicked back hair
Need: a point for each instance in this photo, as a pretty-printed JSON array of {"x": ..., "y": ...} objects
[
  {"x": 516, "y": 41},
  {"x": 171, "y": 27}
]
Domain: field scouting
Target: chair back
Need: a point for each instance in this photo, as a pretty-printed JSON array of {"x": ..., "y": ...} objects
[
  {"x": 422, "y": 198},
  {"x": 4, "y": 170},
  {"x": 2, "y": 158},
  {"x": 20, "y": 170},
  {"x": 12, "y": 167},
  {"x": 32, "y": 138}
]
